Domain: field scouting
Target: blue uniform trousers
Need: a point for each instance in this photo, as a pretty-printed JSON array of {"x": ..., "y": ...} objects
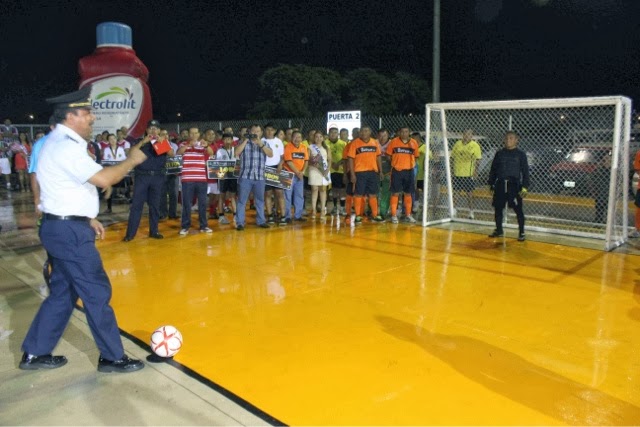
[
  {"x": 78, "y": 272},
  {"x": 147, "y": 188},
  {"x": 245, "y": 187}
]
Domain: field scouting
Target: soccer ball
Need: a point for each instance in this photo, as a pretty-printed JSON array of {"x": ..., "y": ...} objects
[{"x": 166, "y": 341}]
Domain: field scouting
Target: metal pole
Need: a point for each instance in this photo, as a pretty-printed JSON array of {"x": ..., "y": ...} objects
[{"x": 436, "y": 51}]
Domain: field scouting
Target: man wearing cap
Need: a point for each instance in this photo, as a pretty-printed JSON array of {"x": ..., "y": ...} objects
[
  {"x": 149, "y": 179},
  {"x": 68, "y": 178}
]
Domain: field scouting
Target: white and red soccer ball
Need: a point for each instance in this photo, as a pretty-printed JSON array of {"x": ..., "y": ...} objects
[{"x": 166, "y": 341}]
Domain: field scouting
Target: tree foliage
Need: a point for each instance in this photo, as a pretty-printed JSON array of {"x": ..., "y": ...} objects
[
  {"x": 304, "y": 91},
  {"x": 297, "y": 91}
]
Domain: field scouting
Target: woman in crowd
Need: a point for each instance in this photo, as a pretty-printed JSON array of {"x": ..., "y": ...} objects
[
  {"x": 22, "y": 150},
  {"x": 319, "y": 161}
]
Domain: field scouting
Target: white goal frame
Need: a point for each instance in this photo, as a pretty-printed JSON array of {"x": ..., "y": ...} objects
[{"x": 439, "y": 136}]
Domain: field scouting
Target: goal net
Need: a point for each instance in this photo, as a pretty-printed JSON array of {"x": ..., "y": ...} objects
[{"x": 580, "y": 161}]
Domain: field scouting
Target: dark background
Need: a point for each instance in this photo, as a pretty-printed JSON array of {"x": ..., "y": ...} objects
[{"x": 205, "y": 57}]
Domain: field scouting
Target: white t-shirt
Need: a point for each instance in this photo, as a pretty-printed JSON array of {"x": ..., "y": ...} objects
[
  {"x": 278, "y": 151},
  {"x": 63, "y": 171}
]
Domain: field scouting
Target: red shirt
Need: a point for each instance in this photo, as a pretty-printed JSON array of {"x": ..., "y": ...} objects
[{"x": 194, "y": 164}]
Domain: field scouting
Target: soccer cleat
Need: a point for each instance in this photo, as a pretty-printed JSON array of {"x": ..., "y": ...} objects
[{"x": 496, "y": 233}]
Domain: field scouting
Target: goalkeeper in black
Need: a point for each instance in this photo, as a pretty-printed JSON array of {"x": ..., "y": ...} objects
[{"x": 509, "y": 180}]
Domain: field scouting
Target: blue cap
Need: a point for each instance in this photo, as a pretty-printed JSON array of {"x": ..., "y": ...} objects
[{"x": 113, "y": 34}]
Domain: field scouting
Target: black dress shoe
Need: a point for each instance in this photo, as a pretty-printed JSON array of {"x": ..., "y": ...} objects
[
  {"x": 122, "y": 365},
  {"x": 31, "y": 362},
  {"x": 127, "y": 239},
  {"x": 156, "y": 236}
]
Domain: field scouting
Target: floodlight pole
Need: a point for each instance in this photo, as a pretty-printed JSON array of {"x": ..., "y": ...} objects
[{"x": 436, "y": 51}]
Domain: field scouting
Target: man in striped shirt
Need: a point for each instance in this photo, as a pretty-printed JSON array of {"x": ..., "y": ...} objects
[
  {"x": 195, "y": 154},
  {"x": 253, "y": 153}
]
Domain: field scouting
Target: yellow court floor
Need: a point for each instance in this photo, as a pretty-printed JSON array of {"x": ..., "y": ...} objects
[{"x": 387, "y": 324}]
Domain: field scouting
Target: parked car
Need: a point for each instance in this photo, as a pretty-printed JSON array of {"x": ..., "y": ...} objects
[{"x": 571, "y": 175}]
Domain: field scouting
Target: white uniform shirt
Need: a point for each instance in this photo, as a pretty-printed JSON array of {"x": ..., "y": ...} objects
[
  {"x": 63, "y": 170},
  {"x": 278, "y": 151}
]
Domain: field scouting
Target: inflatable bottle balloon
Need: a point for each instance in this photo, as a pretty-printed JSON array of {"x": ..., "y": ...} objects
[{"x": 119, "y": 92}]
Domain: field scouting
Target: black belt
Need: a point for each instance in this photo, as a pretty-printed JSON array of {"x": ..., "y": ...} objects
[
  {"x": 151, "y": 173},
  {"x": 66, "y": 217}
]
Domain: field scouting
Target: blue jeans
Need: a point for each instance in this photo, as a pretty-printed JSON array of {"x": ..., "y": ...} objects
[
  {"x": 188, "y": 191},
  {"x": 296, "y": 192},
  {"x": 245, "y": 186}
]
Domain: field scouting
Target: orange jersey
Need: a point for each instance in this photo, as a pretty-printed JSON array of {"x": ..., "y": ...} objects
[
  {"x": 403, "y": 155},
  {"x": 296, "y": 155},
  {"x": 364, "y": 155}
]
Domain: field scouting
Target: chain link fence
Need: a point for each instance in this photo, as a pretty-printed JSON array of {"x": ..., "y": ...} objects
[
  {"x": 304, "y": 124},
  {"x": 580, "y": 160}
]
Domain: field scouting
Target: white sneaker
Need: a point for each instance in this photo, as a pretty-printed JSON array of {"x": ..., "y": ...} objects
[
  {"x": 394, "y": 219},
  {"x": 223, "y": 220},
  {"x": 410, "y": 219},
  {"x": 634, "y": 234},
  {"x": 471, "y": 216},
  {"x": 184, "y": 232}
]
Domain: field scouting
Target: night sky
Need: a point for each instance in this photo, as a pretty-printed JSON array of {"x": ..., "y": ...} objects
[{"x": 205, "y": 57}]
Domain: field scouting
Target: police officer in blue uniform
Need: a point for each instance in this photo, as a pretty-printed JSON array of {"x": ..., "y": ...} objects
[
  {"x": 68, "y": 178},
  {"x": 148, "y": 184}
]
